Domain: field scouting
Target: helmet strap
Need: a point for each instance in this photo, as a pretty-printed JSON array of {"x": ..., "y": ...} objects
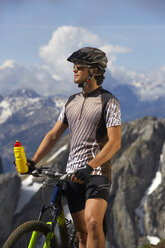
[
  {"x": 88, "y": 80},
  {"x": 84, "y": 84}
]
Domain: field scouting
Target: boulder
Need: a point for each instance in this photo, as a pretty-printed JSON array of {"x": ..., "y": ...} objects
[
  {"x": 9, "y": 192},
  {"x": 134, "y": 167},
  {"x": 154, "y": 207}
]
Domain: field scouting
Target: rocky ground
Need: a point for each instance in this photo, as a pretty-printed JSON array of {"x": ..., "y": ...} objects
[{"x": 136, "y": 209}]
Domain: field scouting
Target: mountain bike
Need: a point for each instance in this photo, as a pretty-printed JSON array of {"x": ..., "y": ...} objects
[{"x": 40, "y": 234}]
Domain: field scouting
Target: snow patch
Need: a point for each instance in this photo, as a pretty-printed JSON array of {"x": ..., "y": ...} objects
[
  {"x": 63, "y": 148},
  {"x": 29, "y": 114},
  {"x": 155, "y": 183},
  {"x": 5, "y": 111},
  {"x": 10, "y": 106},
  {"x": 158, "y": 178},
  {"x": 153, "y": 240},
  {"x": 59, "y": 102},
  {"x": 28, "y": 189}
]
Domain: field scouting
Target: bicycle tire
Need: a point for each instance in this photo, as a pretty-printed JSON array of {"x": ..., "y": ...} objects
[{"x": 27, "y": 228}]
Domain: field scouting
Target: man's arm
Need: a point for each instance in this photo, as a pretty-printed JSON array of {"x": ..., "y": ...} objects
[
  {"x": 49, "y": 140},
  {"x": 110, "y": 148}
]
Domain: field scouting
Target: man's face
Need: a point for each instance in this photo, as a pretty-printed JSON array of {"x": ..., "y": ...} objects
[{"x": 80, "y": 73}]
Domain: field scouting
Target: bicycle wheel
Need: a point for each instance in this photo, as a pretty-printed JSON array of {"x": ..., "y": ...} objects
[{"x": 21, "y": 237}]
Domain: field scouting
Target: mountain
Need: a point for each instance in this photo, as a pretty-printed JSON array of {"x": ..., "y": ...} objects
[
  {"x": 137, "y": 197},
  {"x": 131, "y": 106},
  {"x": 136, "y": 208},
  {"x": 26, "y": 116}
]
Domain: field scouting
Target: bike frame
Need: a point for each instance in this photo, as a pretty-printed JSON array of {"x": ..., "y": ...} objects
[{"x": 58, "y": 217}]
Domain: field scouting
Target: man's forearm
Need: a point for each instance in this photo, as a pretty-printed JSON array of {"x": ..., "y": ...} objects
[
  {"x": 49, "y": 141},
  {"x": 45, "y": 146},
  {"x": 105, "y": 154},
  {"x": 111, "y": 147}
]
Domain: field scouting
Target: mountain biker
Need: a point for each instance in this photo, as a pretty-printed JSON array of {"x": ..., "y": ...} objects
[{"x": 95, "y": 129}]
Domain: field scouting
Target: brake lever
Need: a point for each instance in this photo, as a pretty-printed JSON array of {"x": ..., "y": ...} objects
[
  {"x": 36, "y": 172},
  {"x": 65, "y": 177}
]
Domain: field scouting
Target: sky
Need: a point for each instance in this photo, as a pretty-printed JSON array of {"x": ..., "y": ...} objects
[{"x": 37, "y": 36}]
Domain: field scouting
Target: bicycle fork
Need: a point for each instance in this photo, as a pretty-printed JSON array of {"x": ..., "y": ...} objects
[{"x": 34, "y": 239}]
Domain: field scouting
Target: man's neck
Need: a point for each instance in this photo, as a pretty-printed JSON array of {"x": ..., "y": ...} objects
[{"x": 91, "y": 86}]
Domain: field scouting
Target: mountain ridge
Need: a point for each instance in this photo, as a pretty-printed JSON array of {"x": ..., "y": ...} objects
[{"x": 28, "y": 116}]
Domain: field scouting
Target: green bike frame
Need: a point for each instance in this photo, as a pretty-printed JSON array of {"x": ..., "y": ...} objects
[
  {"x": 59, "y": 217},
  {"x": 35, "y": 235}
]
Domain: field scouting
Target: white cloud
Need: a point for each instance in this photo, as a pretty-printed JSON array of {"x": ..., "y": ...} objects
[
  {"x": 7, "y": 64},
  {"x": 36, "y": 78},
  {"x": 148, "y": 85},
  {"x": 115, "y": 49},
  {"x": 14, "y": 76},
  {"x": 54, "y": 75},
  {"x": 151, "y": 84},
  {"x": 67, "y": 39}
]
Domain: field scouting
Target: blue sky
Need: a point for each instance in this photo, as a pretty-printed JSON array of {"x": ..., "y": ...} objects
[{"x": 138, "y": 26}]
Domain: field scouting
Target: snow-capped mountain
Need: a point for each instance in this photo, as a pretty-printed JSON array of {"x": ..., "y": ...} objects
[
  {"x": 26, "y": 116},
  {"x": 132, "y": 107}
]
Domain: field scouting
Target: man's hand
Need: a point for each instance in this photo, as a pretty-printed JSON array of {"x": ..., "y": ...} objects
[
  {"x": 31, "y": 165},
  {"x": 82, "y": 173}
]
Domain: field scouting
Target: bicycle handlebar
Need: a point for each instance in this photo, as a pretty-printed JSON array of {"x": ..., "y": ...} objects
[{"x": 51, "y": 173}]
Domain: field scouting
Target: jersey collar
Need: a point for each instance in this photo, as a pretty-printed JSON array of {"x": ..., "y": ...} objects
[{"x": 93, "y": 92}]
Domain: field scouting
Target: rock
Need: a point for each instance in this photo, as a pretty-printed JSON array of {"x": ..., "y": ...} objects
[
  {"x": 9, "y": 193},
  {"x": 163, "y": 163},
  {"x": 134, "y": 167},
  {"x": 32, "y": 209},
  {"x": 155, "y": 206}
]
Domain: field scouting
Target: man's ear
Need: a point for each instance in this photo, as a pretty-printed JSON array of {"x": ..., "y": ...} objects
[{"x": 95, "y": 71}]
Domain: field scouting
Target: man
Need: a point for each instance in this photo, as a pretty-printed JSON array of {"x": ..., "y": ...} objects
[{"x": 93, "y": 117}]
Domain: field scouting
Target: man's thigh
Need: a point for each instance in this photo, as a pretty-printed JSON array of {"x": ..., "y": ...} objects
[
  {"x": 95, "y": 209},
  {"x": 98, "y": 187},
  {"x": 79, "y": 222},
  {"x": 75, "y": 193}
]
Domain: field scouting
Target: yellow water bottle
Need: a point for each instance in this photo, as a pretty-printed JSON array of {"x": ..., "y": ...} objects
[{"x": 20, "y": 158}]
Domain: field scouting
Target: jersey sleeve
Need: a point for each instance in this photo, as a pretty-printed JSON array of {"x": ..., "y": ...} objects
[
  {"x": 62, "y": 117},
  {"x": 113, "y": 113}
]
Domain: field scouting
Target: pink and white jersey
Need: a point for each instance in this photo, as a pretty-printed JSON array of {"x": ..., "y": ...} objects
[{"x": 87, "y": 124}]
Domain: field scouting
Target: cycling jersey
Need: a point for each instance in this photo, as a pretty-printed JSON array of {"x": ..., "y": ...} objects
[{"x": 83, "y": 113}]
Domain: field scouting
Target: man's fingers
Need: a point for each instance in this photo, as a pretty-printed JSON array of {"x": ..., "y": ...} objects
[
  {"x": 72, "y": 177},
  {"x": 75, "y": 180}
]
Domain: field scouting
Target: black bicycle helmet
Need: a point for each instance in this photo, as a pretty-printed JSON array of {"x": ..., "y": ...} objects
[{"x": 90, "y": 56}]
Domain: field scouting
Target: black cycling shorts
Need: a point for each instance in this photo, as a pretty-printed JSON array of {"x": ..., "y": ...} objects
[{"x": 77, "y": 194}]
